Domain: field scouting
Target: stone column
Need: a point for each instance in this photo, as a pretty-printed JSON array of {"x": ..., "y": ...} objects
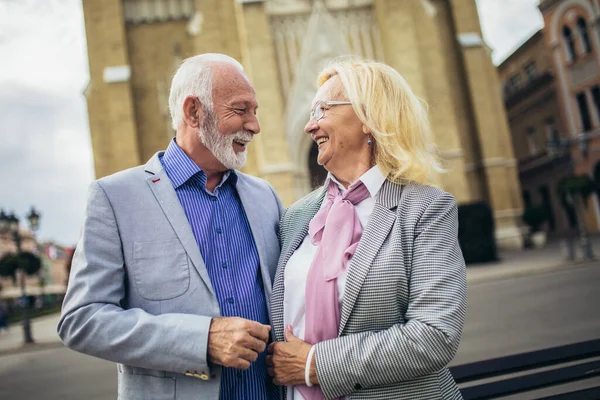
[
  {"x": 490, "y": 121},
  {"x": 271, "y": 158},
  {"x": 436, "y": 57},
  {"x": 400, "y": 41},
  {"x": 215, "y": 28},
  {"x": 109, "y": 99}
]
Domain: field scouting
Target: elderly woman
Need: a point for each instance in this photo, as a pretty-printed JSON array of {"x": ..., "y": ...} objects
[{"x": 369, "y": 297}]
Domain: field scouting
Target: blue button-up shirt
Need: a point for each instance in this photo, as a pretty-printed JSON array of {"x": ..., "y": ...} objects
[{"x": 227, "y": 246}]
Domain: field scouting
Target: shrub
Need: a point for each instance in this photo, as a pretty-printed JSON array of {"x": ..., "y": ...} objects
[
  {"x": 476, "y": 233},
  {"x": 534, "y": 217}
]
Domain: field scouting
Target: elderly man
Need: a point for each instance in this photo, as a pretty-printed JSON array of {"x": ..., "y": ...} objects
[{"x": 172, "y": 275}]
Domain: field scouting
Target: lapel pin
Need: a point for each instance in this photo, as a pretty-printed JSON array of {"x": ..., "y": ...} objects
[{"x": 155, "y": 180}]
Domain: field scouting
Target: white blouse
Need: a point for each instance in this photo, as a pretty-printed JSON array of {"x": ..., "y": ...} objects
[{"x": 299, "y": 263}]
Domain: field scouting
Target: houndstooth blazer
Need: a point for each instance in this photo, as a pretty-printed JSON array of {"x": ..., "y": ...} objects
[{"x": 404, "y": 301}]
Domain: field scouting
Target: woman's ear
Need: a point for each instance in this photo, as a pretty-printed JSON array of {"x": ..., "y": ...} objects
[
  {"x": 192, "y": 112},
  {"x": 366, "y": 130}
]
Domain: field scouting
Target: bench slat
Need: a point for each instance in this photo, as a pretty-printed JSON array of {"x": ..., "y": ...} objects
[
  {"x": 585, "y": 394},
  {"x": 532, "y": 381},
  {"x": 521, "y": 362}
]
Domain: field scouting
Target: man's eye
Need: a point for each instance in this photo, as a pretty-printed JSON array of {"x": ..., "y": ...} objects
[{"x": 239, "y": 110}]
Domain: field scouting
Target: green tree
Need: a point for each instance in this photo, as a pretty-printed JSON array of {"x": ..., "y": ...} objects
[
  {"x": 534, "y": 217},
  {"x": 27, "y": 262}
]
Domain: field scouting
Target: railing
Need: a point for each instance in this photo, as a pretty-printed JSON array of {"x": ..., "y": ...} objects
[
  {"x": 580, "y": 357},
  {"x": 514, "y": 95}
]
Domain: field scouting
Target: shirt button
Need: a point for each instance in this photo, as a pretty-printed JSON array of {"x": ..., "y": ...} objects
[
  {"x": 230, "y": 300},
  {"x": 224, "y": 265},
  {"x": 219, "y": 230}
]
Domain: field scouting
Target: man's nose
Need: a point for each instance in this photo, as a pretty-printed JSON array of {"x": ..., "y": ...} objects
[{"x": 252, "y": 125}]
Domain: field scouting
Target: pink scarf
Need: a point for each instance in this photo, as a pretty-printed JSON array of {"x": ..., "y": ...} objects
[{"x": 336, "y": 230}]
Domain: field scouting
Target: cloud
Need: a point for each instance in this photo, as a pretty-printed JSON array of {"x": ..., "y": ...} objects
[
  {"x": 46, "y": 158},
  {"x": 508, "y": 23},
  {"x": 42, "y": 44},
  {"x": 45, "y": 152}
]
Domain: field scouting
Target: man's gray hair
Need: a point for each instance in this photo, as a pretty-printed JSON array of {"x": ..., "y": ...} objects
[{"x": 194, "y": 78}]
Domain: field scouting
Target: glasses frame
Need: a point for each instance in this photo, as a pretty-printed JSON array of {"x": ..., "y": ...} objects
[{"x": 318, "y": 115}]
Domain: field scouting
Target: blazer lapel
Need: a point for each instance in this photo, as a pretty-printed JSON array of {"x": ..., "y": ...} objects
[
  {"x": 165, "y": 194},
  {"x": 250, "y": 205},
  {"x": 380, "y": 223},
  {"x": 291, "y": 241}
]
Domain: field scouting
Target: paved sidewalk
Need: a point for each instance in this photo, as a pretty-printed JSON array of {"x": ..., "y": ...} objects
[
  {"x": 512, "y": 264},
  {"x": 43, "y": 330}
]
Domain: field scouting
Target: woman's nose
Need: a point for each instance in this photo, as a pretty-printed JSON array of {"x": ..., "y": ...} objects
[{"x": 311, "y": 125}]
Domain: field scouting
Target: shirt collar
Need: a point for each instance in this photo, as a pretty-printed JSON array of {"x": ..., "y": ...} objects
[
  {"x": 180, "y": 167},
  {"x": 373, "y": 179}
]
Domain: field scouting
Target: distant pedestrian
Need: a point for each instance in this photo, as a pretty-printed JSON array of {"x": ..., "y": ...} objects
[{"x": 3, "y": 318}]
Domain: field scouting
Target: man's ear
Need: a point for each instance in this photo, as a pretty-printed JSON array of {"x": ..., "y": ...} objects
[{"x": 192, "y": 112}]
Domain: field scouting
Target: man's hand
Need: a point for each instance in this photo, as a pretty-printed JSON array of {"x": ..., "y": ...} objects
[
  {"x": 236, "y": 342},
  {"x": 287, "y": 361}
]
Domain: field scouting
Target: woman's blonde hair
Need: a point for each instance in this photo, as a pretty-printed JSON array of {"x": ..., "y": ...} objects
[{"x": 395, "y": 116}]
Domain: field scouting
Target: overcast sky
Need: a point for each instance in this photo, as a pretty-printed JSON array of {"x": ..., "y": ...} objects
[{"x": 45, "y": 153}]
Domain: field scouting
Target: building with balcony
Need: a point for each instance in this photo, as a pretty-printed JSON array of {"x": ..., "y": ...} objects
[
  {"x": 551, "y": 89},
  {"x": 539, "y": 134},
  {"x": 571, "y": 35}
]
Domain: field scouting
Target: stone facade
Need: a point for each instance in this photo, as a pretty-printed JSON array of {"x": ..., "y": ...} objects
[{"x": 135, "y": 45}]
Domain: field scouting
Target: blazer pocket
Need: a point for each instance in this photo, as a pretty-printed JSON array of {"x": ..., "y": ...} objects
[{"x": 160, "y": 269}]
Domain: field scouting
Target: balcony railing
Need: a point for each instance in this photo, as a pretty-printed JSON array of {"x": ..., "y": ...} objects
[
  {"x": 512, "y": 96},
  {"x": 564, "y": 145}
]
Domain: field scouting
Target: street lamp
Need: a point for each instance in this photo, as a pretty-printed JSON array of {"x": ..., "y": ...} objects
[
  {"x": 10, "y": 224},
  {"x": 3, "y": 222},
  {"x": 34, "y": 219}
]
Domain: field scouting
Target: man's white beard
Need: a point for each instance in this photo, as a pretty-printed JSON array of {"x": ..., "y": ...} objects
[{"x": 221, "y": 146}]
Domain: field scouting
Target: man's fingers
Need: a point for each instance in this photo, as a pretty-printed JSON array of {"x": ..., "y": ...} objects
[
  {"x": 254, "y": 344},
  {"x": 247, "y": 354},
  {"x": 241, "y": 364},
  {"x": 259, "y": 331},
  {"x": 270, "y": 361}
]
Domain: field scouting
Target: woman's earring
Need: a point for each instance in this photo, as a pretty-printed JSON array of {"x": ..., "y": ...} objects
[{"x": 370, "y": 142}]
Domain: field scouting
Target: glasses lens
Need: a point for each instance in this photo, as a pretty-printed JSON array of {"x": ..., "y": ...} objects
[{"x": 319, "y": 111}]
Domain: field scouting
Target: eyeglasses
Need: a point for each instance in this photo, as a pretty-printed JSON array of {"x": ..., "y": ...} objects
[{"x": 319, "y": 111}]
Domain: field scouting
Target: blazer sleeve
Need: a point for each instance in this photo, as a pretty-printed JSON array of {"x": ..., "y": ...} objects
[
  {"x": 94, "y": 320},
  {"x": 429, "y": 339}
]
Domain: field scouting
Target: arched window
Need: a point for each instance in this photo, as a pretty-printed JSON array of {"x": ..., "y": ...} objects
[
  {"x": 569, "y": 43},
  {"x": 584, "y": 35}
]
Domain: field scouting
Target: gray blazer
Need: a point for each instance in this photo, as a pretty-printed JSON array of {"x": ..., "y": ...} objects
[
  {"x": 139, "y": 293},
  {"x": 404, "y": 301}
]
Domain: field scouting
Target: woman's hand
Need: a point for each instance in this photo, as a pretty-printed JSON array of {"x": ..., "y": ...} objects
[{"x": 286, "y": 361}]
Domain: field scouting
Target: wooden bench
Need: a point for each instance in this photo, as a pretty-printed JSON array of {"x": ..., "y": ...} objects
[{"x": 498, "y": 384}]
